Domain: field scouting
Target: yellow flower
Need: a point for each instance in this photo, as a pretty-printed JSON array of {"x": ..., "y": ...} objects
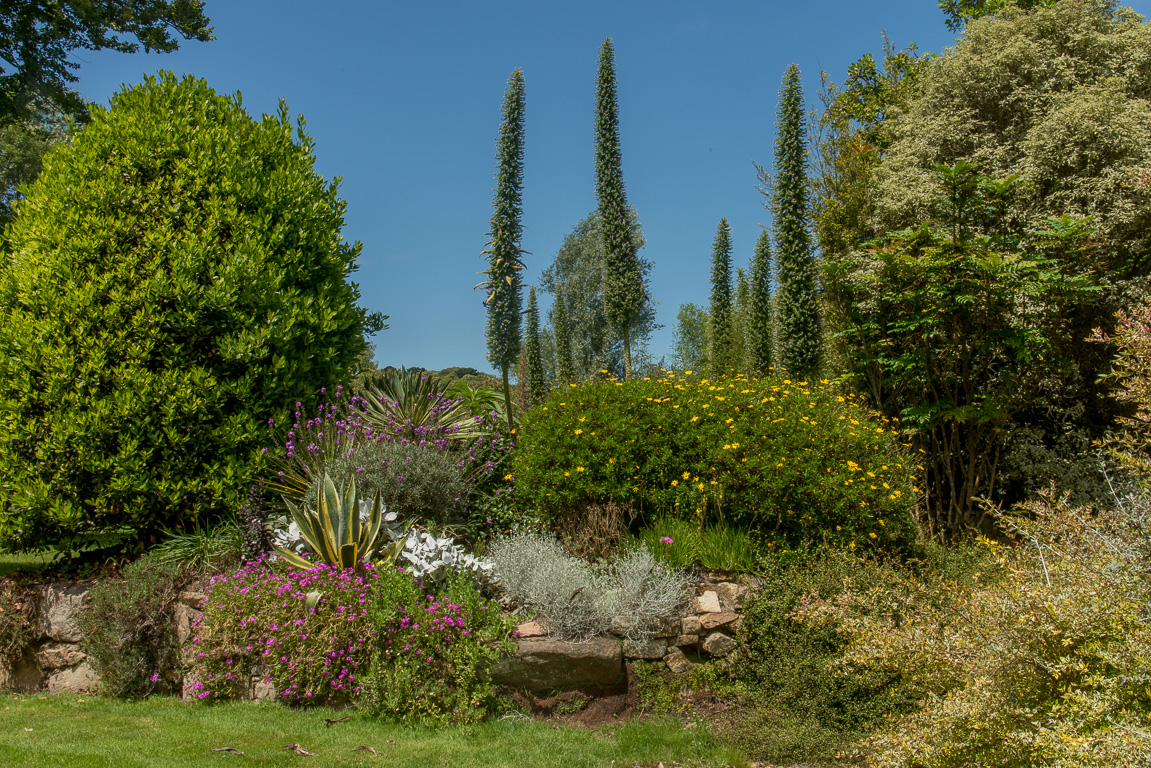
[
  {"x": 581, "y": 418},
  {"x": 579, "y": 469},
  {"x": 688, "y": 372},
  {"x": 567, "y": 474},
  {"x": 686, "y": 475},
  {"x": 695, "y": 418},
  {"x": 579, "y": 431},
  {"x": 675, "y": 482},
  {"x": 872, "y": 535},
  {"x": 611, "y": 460},
  {"x": 701, "y": 486}
]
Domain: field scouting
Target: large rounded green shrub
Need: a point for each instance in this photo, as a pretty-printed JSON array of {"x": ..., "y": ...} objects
[{"x": 173, "y": 281}]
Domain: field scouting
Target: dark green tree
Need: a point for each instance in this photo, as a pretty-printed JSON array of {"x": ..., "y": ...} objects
[
  {"x": 625, "y": 294},
  {"x": 175, "y": 280},
  {"x": 596, "y": 344},
  {"x": 537, "y": 384},
  {"x": 38, "y": 37},
  {"x": 760, "y": 322},
  {"x": 958, "y": 327},
  {"x": 720, "y": 339},
  {"x": 504, "y": 253},
  {"x": 800, "y": 333},
  {"x": 565, "y": 365}
]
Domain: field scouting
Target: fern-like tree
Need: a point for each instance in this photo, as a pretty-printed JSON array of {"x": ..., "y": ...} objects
[
  {"x": 760, "y": 327},
  {"x": 565, "y": 363},
  {"x": 720, "y": 339},
  {"x": 800, "y": 335},
  {"x": 623, "y": 287},
  {"x": 504, "y": 252},
  {"x": 537, "y": 385},
  {"x": 739, "y": 321}
]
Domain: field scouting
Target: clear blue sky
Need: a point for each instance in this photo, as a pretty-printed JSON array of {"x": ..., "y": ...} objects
[{"x": 403, "y": 101}]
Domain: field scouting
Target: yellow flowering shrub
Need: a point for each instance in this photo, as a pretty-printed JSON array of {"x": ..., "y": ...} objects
[{"x": 796, "y": 460}]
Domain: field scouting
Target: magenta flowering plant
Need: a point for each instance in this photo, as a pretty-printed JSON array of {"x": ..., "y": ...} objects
[
  {"x": 433, "y": 651},
  {"x": 257, "y": 623}
]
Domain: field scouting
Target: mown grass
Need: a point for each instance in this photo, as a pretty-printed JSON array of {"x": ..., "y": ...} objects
[
  {"x": 24, "y": 562},
  {"x": 89, "y": 731}
]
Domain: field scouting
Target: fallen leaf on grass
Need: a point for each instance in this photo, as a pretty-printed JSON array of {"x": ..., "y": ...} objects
[
  {"x": 294, "y": 747},
  {"x": 369, "y": 749},
  {"x": 233, "y": 750}
]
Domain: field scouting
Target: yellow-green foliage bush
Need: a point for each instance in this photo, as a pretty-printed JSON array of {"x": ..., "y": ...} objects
[
  {"x": 1043, "y": 664},
  {"x": 796, "y": 460}
]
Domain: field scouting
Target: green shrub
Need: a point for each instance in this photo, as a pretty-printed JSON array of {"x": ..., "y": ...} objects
[
  {"x": 202, "y": 549},
  {"x": 128, "y": 628},
  {"x": 17, "y": 628},
  {"x": 793, "y": 460},
  {"x": 432, "y": 653},
  {"x": 174, "y": 279},
  {"x": 1044, "y": 664},
  {"x": 797, "y": 707}
]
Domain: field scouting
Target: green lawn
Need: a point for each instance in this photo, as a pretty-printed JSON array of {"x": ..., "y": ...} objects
[
  {"x": 81, "y": 731},
  {"x": 25, "y": 563}
]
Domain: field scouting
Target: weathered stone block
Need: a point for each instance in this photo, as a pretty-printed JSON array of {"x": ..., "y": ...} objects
[
  {"x": 686, "y": 641},
  {"x": 655, "y": 648},
  {"x": 59, "y": 655},
  {"x": 714, "y": 620},
  {"x": 691, "y": 625},
  {"x": 708, "y": 602},
  {"x": 531, "y": 629},
  {"x": 80, "y": 678},
  {"x": 61, "y": 605},
  {"x": 718, "y": 644},
  {"x": 731, "y": 593},
  {"x": 677, "y": 662},
  {"x": 546, "y": 664}
]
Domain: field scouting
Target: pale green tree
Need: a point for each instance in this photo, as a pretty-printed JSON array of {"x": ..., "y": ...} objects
[
  {"x": 689, "y": 338},
  {"x": 533, "y": 362},
  {"x": 760, "y": 325}
]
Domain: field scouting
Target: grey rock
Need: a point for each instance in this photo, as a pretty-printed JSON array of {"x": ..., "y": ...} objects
[
  {"x": 262, "y": 689},
  {"x": 718, "y": 644},
  {"x": 686, "y": 641},
  {"x": 731, "y": 593},
  {"x": 59, "y": 655},
  {"x": 666, "y": 626},
  {"x": 708, "y": 602},
  {"x": 61, "y": 605},
  {"x": 656, "y": 648},
  {"x": 546, "y": 664},
  {"x": 691, "y": 625},
  {"x": 714, "y": 620},
  {"x": 80, "y": 678},
  {"x": 192, "y": 599},
  {"x": 677, "y": 662}
]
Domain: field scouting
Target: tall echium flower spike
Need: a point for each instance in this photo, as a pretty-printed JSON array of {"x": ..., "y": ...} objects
[
  {"x": 800, "y": 333},
  {"x": 504, "y": 238},
  {"x": 623, "y": 288},
  {"x": 721, "y": 345}
]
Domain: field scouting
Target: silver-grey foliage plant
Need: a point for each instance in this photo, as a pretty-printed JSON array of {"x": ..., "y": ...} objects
[{"x": 576, "y": 600}]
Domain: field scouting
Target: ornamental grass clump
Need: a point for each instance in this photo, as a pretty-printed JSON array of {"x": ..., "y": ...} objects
[{"x": 798, "y": 461}]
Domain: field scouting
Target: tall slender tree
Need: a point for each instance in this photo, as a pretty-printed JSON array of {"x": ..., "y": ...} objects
[
  {"x": 720, "y": 342},
  {"x": 623, "y": 288},
  {"x": 504, "y": 253},
  {"x": 739, "y": 322},
  {"x": 537, "y": 384},
  {"x": 760, "y": 323},
  {"x": 800, "y": 334},
  {"x": 565, "y": 363}
]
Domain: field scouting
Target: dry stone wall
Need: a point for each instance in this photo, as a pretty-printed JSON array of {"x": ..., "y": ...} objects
[{"x": 56, "y": 661}]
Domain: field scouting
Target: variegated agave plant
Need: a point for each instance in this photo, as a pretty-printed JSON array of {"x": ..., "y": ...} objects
[{"x": 343, "y": 531}]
